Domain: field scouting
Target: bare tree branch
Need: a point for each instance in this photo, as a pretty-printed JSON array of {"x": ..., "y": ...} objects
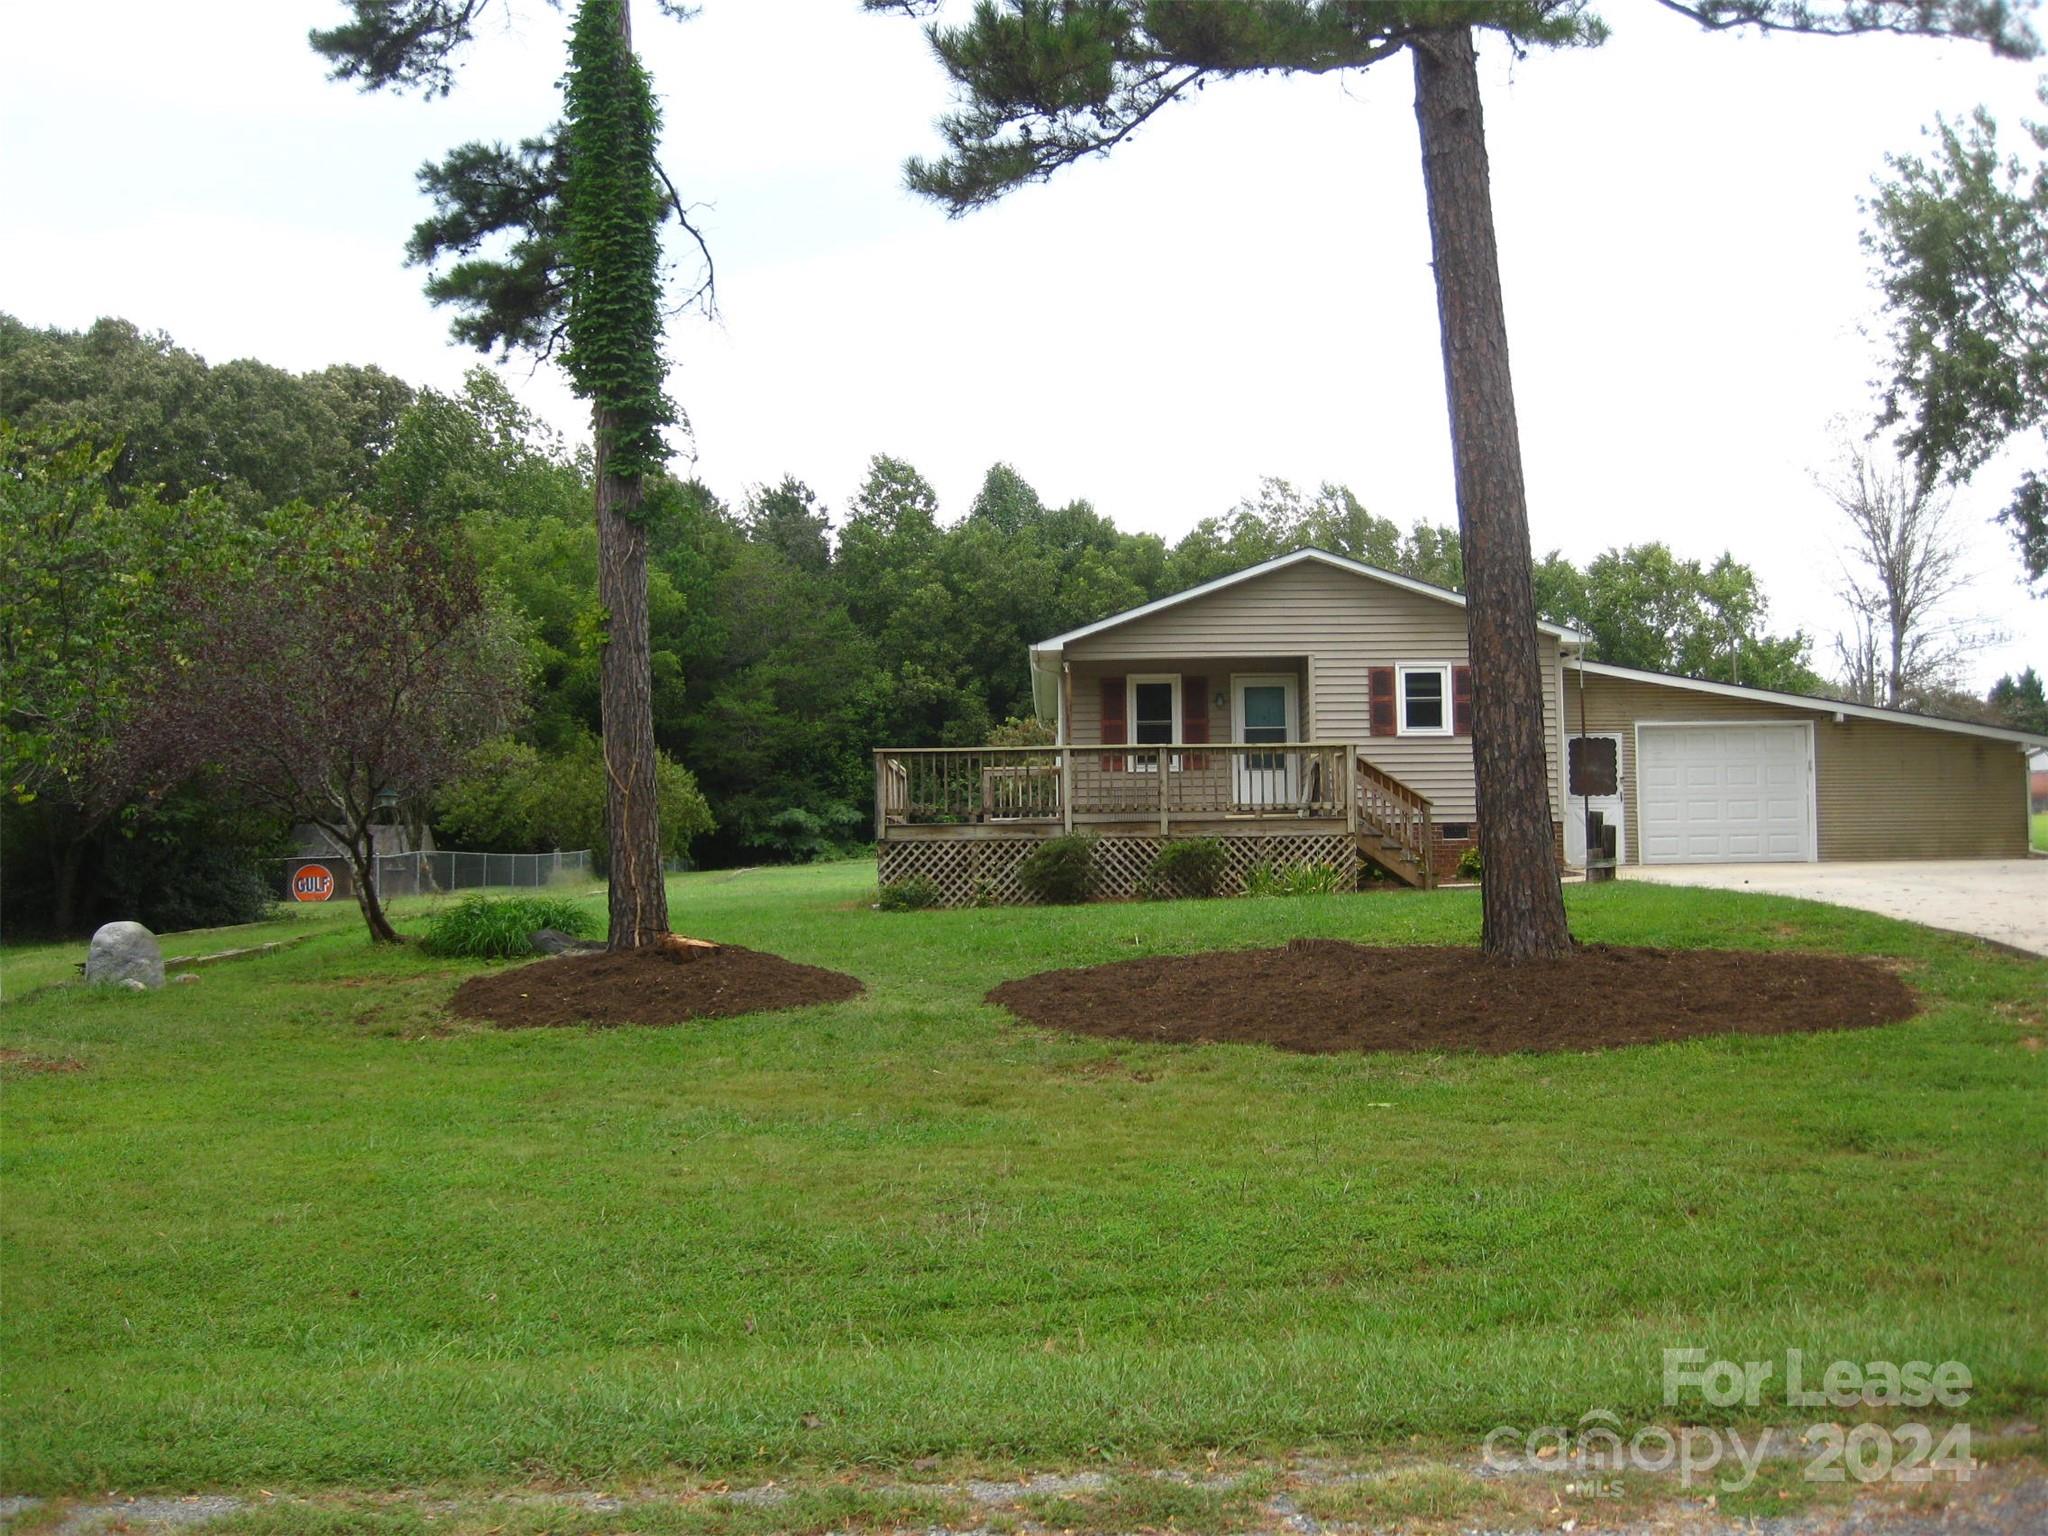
[
  {"x": 1902, "y": 564},
  {"x": 2001, "y": 26}
]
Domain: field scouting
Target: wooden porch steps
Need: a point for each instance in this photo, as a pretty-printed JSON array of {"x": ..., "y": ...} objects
[
  {"x": 1395, "y": 829},
  {"x": 1387, "y": 855}
]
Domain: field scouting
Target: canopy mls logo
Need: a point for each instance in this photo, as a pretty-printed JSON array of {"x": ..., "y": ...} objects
[
  {"x": 312, "y": 882},
  {"x": 1830, "y": 1451}
]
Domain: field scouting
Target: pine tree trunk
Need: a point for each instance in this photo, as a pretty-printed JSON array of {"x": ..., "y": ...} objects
[
  {"x": 1522, "y": 900},
  {"x": 639, "y": 899}
]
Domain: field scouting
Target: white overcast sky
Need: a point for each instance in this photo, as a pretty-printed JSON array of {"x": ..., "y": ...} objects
[{"x": 1243, "y": 290}]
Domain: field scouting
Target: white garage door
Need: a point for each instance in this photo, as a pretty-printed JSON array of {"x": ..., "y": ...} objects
[{"x": 1725, "y": 794}]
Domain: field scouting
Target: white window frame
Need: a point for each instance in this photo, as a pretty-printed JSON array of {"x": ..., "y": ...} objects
[
  {"x": 1401, "y": 726},
  {"x": 1131, "y": 681}
]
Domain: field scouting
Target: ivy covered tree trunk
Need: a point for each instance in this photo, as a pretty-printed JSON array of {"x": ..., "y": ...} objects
[
  {"x": 638, "y": 895},
  {"x": 613, "y": 209},
  {"x": 1522, "y": 899},
  {"x": 584, "y": 208}
]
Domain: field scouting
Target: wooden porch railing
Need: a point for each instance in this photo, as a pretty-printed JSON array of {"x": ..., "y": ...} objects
[
  {"x": 1050, "y": 789},
  {"x": 1400, "y": 816},
  {"x": 1070, "y": 786}
]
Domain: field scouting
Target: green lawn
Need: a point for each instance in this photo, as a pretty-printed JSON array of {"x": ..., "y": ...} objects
[{"x": 289, "y": 1229}]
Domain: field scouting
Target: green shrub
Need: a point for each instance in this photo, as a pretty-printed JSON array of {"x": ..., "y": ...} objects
[
  {"x": 1469, "y": 864},
  {"x": 1014, "y": 732},
  {"x": 1190, "y": 866},
  {"x": 497, "y": 928},
  {"x": 912, "y": 895},
  {"x": 1060, "y": 870},
  {"x": 1317, "y": 879}
]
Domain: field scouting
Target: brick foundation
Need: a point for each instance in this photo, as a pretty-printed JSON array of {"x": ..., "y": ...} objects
[{"x": 1449, "y": 850}]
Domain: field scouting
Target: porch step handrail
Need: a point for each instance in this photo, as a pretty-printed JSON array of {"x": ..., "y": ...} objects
[{"x": 1401, "y": 817}]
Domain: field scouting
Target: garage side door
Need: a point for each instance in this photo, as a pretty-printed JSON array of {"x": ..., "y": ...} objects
[{"x": 1725, "y": 794}]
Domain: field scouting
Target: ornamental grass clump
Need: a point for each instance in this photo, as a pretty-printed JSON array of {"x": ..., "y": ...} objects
[
  {"x": 501, "y": 928},
  {"x": 1317, "y": 879}
]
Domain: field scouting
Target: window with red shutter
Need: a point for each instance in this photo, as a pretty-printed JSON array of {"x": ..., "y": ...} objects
[
  {"x": 1461, "y": 701},
  {"x": 1423, "y": 699}
]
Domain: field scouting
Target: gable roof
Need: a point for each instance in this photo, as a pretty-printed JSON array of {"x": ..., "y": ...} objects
[
  {"x": 1806, "y": 701},
  {"x": 1265, "y": 568},
  {"x": 1044, "y": 657}
]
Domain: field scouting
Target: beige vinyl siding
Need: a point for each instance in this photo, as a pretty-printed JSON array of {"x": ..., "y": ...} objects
[
  {"x": 1882, "y": 790},
  {"x": 1332, "y": 626},
  {"x": 1087, "y": 721}
]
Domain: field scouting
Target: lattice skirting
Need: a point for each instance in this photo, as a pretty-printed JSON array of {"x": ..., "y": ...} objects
[{"x": 983, "y": 871}]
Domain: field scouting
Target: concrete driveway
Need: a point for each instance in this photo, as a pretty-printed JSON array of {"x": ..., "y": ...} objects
[{"x": 2004, "y": 900}]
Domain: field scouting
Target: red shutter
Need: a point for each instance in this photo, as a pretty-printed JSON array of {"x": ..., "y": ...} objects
[
  {"x": 1381, "y": 683},
  {"x": 1461, "y": 701},
  {"x": 1114, "y": 727},
  {"x": 1194, "y": 718}
]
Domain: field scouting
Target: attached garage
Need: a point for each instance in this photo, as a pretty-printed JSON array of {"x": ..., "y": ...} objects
[
  {"x": 1712, "y": 773},
  {"x": 1725, "y": 794}
]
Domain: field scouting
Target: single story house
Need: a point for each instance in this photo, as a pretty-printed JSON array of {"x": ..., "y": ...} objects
[{"x": 1311, "y": 709}]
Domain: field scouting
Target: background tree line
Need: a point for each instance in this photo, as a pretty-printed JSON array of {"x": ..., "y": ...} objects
[{"x": 789, "y": 636}]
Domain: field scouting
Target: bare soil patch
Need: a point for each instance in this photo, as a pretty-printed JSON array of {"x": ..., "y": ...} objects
[
  {"x": 28, "y": 1061},
  {"x": 1324, "y": 995},
  {"x": 646, "y": 986}
]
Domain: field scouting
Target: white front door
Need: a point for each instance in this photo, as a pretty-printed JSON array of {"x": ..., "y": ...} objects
[
  {"x": 1725, "y": 794},
  {"x": 1262, "y": 710},
  {"x": 1592, "y": 783}
]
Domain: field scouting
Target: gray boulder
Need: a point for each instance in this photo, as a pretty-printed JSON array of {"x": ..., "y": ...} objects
[{"x": 122, "y": 953}]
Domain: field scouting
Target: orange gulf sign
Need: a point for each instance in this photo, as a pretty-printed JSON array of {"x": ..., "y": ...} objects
[{"x": 312, "y": 882}]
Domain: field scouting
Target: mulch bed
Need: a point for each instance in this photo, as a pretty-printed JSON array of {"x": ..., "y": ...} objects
[
  {"x": 1324, "y": 995},
  {"x": 646, "y": 986}
]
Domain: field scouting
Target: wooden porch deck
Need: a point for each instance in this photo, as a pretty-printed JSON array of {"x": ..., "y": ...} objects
[{"x": 1291, "y": 799}]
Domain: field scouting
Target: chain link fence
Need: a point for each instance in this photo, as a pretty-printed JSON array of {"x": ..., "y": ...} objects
[{"x": 309, "y": 877}]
